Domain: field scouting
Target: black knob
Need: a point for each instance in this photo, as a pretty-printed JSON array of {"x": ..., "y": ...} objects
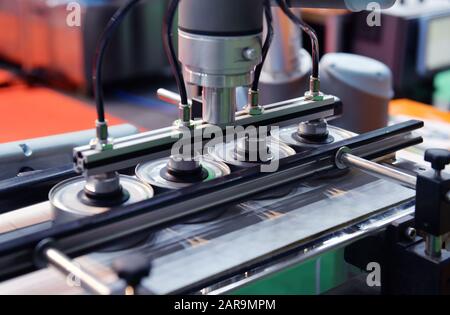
[
  {"x": 132, "y": 268},
  {"x": 438, "y": 158}
]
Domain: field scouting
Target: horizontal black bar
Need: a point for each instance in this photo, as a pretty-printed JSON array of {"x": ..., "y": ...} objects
[
  {"x": 89, "y": 234},
  {"x": 35, "y": 186},
  {"x": 336, "y": 106}
]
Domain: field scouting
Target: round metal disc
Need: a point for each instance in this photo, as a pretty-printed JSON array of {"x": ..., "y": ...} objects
[
  {"x": 286, "y": 135},
  {"x": 150, "y": 172},
  {"x": 226, "y": 152},
  {"x": 67, "y": 205}
]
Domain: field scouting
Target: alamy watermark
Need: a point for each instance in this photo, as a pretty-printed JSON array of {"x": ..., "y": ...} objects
[
  {"x": 374, "y": 9},
  {"x": 73, "y": 18},
  {"x": 73, "y": 8},
  {"x": 374, "y": 17},
  {"x": 252, "y": 144},
  {"x": 374, "y": 277},
  {"x": 72, "y": 280}
]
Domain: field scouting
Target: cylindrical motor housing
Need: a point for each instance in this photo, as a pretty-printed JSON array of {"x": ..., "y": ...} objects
[
  {"x": 220, "y": 43},
  {"x": 221, "y": 17}
]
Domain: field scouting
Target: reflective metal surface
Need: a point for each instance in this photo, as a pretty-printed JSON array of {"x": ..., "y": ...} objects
[
  {"x": 286, "y": 135},
  {"x": 219, "y": 105},
  {"x": 67, "y": 205},
  {"x": 150, "y": 172},
  {"x": 349, "y": 160},
  {"x": 149, "y": 145},
  {"x": 218, "y": 61},
  {"x": 274, "y": 230}
]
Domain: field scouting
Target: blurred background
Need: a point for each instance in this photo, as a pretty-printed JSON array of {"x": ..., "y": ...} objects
[{"x": 46, "y": 65}]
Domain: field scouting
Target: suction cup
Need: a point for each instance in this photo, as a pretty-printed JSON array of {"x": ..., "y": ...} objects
[
  {"x": 74, "y": 199},
  {"x": 170, "y": 173},
  {"x": 70, "y": 201},
  {"x": 290, "y": 136}
]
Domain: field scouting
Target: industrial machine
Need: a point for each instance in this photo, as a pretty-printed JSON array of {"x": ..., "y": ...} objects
[{"x": 223, "y": 197}]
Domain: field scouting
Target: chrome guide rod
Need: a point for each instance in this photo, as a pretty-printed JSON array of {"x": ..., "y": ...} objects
[
  {"x": 345, "y": 159},
  {"x": 64, "y": 264},
  {"x": 170, "y": 97}
]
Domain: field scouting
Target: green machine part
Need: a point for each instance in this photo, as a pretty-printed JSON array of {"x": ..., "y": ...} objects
[
  {"x": 314, "y": 276},
  {"x": 441, "y": 97}
]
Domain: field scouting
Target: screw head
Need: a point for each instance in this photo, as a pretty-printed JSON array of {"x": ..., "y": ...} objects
[{"x": 250, "y": 54}]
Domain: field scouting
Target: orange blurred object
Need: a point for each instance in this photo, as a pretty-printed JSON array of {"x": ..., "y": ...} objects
[
  {"x": 418, "y": 110},
  {"x": 31, "y": 112}
]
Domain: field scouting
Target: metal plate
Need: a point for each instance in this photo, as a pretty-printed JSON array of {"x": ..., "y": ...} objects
[
  {"x": 66, "y": 204},
  {"x": 150, "y": 172}
]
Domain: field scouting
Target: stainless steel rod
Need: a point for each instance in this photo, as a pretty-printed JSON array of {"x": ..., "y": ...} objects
[
  {"x": 168, "y": 96},
  {"x": 63, "y": 263},
  {"x": 379, "y": 170}
]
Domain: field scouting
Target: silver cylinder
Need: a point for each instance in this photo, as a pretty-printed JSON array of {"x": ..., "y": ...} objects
[
  {"x": 103, "y": 183},
  {"x": 219, "y": 105},
  {"x": 219, "y": 61},
  {"x": 313, "y": 128},
  {"x": 68, "y": 206},
  {"x": 168, "y": 96},
  {"x": 377, "y": 170},
  {"x": 61, "y": 262},
  {"x": 219, "y": 64},
  {"x": 364, "y": 86},
  {"x": 178, "y": 163}
]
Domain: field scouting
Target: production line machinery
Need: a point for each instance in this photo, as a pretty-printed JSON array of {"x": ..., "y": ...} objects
[{"x": 226, "y": 197}]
